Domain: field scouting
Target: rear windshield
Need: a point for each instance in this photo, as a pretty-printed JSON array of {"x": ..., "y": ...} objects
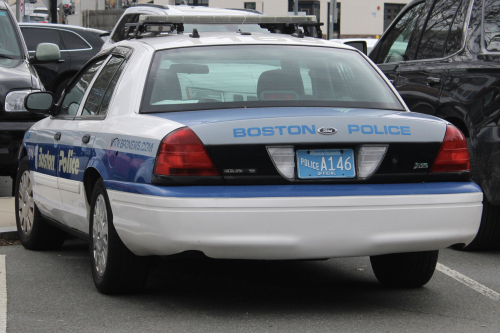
[
  {"x": 247, "y": 76},
  {"x": 9, "y": 45}
]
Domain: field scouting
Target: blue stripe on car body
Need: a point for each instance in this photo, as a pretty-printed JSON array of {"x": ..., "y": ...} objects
[{"x": 262, "y": 191}]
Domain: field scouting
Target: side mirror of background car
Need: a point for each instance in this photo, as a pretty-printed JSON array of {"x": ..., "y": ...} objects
[
  {"x": 360, "y": 45},
  {"x": 39, "y": 102},
  {"x": 46, "y": 52}
]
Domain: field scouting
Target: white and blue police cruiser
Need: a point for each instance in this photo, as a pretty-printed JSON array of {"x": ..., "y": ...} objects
[{"x": 244, "y": 146}]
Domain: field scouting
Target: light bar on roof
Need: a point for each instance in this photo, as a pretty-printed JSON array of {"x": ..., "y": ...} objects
[{"x": 227, "y": 19}]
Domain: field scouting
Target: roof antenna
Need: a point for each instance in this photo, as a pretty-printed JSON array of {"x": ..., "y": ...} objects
[{"x": 195, "y": 34}]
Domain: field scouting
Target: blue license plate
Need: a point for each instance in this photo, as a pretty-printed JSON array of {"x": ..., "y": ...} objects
[{"x": 326, "y": 163}]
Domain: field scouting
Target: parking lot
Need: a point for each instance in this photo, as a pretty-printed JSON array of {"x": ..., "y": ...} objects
[{"x": 54, "y": 292}]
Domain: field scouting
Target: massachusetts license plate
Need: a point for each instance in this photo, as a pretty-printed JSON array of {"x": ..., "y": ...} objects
[{"x": 326, "y": 163}]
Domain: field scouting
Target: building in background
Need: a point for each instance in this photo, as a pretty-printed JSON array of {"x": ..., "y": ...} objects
[{"x": 357, "y": 18}]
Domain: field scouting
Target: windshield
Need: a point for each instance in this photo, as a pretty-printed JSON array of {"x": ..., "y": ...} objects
[
  {"x": 9, "y": 45},
  {"x": 242, "y": 76}
]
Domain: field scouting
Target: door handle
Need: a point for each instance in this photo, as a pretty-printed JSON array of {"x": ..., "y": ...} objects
[
  {"x": 433, "y": 80},
  {"x": 57, "y": 136},
  {"x": 60, "y": 61},
  {"x": 86, "y": 138}
]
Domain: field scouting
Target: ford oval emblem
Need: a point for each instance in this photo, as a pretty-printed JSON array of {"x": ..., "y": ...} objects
[{"x": 327, "y": 130}]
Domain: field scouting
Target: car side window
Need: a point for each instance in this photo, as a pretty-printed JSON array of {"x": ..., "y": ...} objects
[
  {"x": 396, "y": 44},
  {"x": 33, "y": 37},
  {"x": 73, "y": 41},
  {"x": 119, "y": 34},
  {"x": 439, "y": 26},
  {"x": 492, "y": 25},
  {"x": 101, "y": 84},
  {"x": 111, "y": 89},
  {"x": 76, "y": 91},
  {"x": 455, "y": 36}
]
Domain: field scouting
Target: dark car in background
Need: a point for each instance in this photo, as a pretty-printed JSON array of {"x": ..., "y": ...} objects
[
  {"x": 68, "y": 6},
  {"x": 443, "y": 57},
  {"x": 18, "y": 78},
  {"x": 77, "y": 46}
]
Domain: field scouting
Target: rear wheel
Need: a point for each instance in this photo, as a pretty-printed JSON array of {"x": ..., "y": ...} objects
[
  {"x": 115, "y": 269},
  {"x": 34, "y": 232},
  {"x": 405, "y": 270},
  {"x": 488, "y": 235}
]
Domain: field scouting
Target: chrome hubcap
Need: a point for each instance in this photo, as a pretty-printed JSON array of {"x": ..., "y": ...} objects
[
  {"x": 26, "y": 203},
  {"x": 100, "y": 235}
]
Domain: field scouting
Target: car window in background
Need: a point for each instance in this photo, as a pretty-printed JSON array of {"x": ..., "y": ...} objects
[
  {"x": 119, "y": 34},
  {"x": 74, "y": 97},
  {"x": 9, "y": 45},
  {"x": 263, "y": 76},
  {"x": 439, "y": 28},
  {"x": 98, "y": 90},
  {"x": 73, "y": 41},
  {"x": 395, "y": 45},
  {"x": 35, "y": 36},
  {"x": 492, "y": 25}
]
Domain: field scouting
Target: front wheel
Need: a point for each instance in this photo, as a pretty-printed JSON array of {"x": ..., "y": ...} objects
[
  {"x": 115, "y": 269},
  {"x": 405, "y": 270},
  {"x": 34, "y": 232}
]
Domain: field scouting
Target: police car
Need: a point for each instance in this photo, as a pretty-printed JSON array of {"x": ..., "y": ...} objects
[{"x": 241, "y": 145}]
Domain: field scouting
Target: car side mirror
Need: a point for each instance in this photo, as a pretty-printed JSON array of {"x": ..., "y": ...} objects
[
  {"x": 360, "y": 45},
  {"x": 39, "y": 102},
  {"x": 46, "y": 52}
]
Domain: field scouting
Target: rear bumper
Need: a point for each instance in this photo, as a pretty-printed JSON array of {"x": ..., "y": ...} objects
[{"x": 297, "y": 226}]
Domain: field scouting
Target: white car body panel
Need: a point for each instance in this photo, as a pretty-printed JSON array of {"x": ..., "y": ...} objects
[{"x": 294, "y": 228}]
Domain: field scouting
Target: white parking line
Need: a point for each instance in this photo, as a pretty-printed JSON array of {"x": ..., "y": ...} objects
[
  {"x": 3, "y": 295},
  {"x": 469, "y": 282}
]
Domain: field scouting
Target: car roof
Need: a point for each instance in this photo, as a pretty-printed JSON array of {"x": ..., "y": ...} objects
[
  {"x": 230, "y": 38},
  {"x": 3, "y": 5},
  {"x": 60, "y": 26}
]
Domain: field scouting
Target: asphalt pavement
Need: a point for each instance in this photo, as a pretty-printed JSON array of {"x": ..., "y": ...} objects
[{"x": 54, "y": 292}]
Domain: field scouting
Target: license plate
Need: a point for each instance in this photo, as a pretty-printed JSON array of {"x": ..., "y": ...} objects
[{"x": 326, "y": 163}]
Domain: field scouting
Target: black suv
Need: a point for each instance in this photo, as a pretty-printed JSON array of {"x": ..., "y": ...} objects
[
  {"x": 17, "y": 79},
  {"x": 78, "y": 45},
  {"x": 443, "y": 56}
]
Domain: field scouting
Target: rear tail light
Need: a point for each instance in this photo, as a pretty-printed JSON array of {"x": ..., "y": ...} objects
[
  {"x": 182, "y": 153},
  {"x": 369, "y": 159},
  {"x": 453, "y": 155},
  {"x": 284, "y": 160}
]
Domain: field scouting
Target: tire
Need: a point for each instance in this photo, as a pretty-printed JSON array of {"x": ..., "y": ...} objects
[
  {"x": 405, "y": 270},
  {"x": 34, "y": 232},
  {"x": 115, "y": 269},
  {"x": 60, "y": 88},
  {"x": 488, "y": 235}
]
